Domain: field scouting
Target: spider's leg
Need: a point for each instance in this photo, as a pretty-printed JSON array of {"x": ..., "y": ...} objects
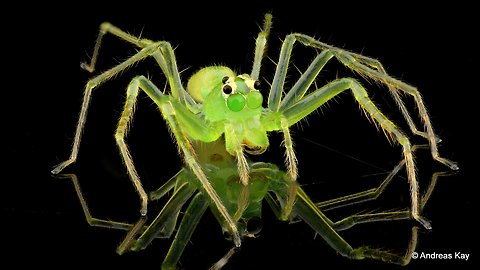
[
  {"x": 242, "y": 164},
  {"x": 190, "y": 220},
  {"x": 169, "y": 226},
  {"x": 175, "y": 113},
  {"x": 362, "y": 196},
  {"x": 370, "y": 63},
  {"x": 350, "y": 221},
  {"x": 308, "y": 212},
  {"x": 323, "y": 226},
  {"x": 374, "y": 193},
  {"x": 164, "y": 56},
  {"x": 313, "y": 101},
  {"x": 165, "y": 188},
  {"x": 275, "y": 103},
  {"x": 375, "y": 64},
  {"x": 291, "y": 163},
  {"x": 91, "y": 84},
  {"x": 260, "y": 44},
  {"x": 92, "y": 221},
  {"x": 364, "y": 67},
  {"x": 133, "y": 229},
  {"x": 357, "y": 198},
  {"x": 105, "y": 28},
  {"x": 120, "y": 134},
  {"x": 171, "y": 209},
  {"x": 306, "y": 79}
]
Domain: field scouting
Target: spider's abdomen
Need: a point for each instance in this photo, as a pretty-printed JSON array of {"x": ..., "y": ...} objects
[{"x": 205, "y": 80}]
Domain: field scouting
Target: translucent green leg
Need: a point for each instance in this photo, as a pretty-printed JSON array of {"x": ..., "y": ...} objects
[
  {"x": 308, "y": 212},
  {"x": 155, "y": 49},
  {"x": 297, "y": 91},
  {"x": 109, "y": 28},
  {"x": 173, "y": 114},
  {"x": 306, "y": 79},
  {"x": 162, "y": 191},
  {"x": 189, "y": 222},
  {"x": 172, "y": 183},
  {"x": 170, "y": 210},
  {"x": 375, "y": 64},
  {"x": 91, "y": 84},
  {"x": 133, "y": 229},
  {"x": 260, "y": 45},
  {"x": 371, "y": 68},
  {"x": 350, "y": 221},
  {"x": 164, "y": 56},
  {"x": 373, "y": 193},
  {"x": 362, "y": 196},
  {"x": 308, "y": 104},
  {"x": 94, "y": 222}
]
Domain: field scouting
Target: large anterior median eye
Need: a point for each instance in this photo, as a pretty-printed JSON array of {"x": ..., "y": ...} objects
[
  {"x": 236, "y": 102},
  {"x": 254, "y": 99}
]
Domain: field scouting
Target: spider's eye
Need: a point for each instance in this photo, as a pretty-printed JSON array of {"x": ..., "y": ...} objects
[
  {"x": 257, "y": 84},
  {"x": 225, "y": 79},
  {"x": 227, "y": 89},
  {"x": 236, "y": 102}
]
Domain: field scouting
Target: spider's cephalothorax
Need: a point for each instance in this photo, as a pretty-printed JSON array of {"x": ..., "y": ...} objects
[{"x": 233, "y": 102}]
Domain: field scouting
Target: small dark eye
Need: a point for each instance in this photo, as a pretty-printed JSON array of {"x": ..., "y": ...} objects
[
  {"x": 225, "y": 79},
  {"x": 257, "y": 84},
  {"x": 227, "y": 89}
]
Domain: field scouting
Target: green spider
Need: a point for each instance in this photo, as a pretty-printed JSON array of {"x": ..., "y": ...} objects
[{"x": 220, "y": 116}]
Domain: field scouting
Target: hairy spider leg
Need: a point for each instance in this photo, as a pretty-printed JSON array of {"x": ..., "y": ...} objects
[
  {"x": 374, "y": 193},
  {"x": 308, "y": 212},
  {"x": 260, "y": 45},
  {"x": 363, "y": 65},
  {"x": 190, "y": 220},
  {"x": 296, "y": 96},
  {"x": 91, "y": 84},
  {"x": 176, "y": 114},
  {"x": 94, "y": 222},
  {"x": 163, "y": 53},
  {"x": 157, "y": 229},
  {"x": 148, "y": 48},
  {"x": 310, "y": 103},
  {"x": 167, "y": 218},
  {"x": 375, "y": 64},
  {"x": 404, "y": 214},
  {"x": 361, "y": 197}
]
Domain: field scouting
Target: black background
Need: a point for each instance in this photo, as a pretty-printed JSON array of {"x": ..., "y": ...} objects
[{"x": 430, "y": 47}]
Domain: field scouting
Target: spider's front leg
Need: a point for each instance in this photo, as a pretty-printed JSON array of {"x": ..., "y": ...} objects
[
  {"x": 91, "y": 85},
  {"x": 177, "y": 116},
  {"x": 163, "y": 53},
  {"x": 310, "y": 103}
]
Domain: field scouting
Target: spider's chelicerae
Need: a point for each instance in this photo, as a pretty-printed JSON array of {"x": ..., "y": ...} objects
[{"x": 219, "y": 117}]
